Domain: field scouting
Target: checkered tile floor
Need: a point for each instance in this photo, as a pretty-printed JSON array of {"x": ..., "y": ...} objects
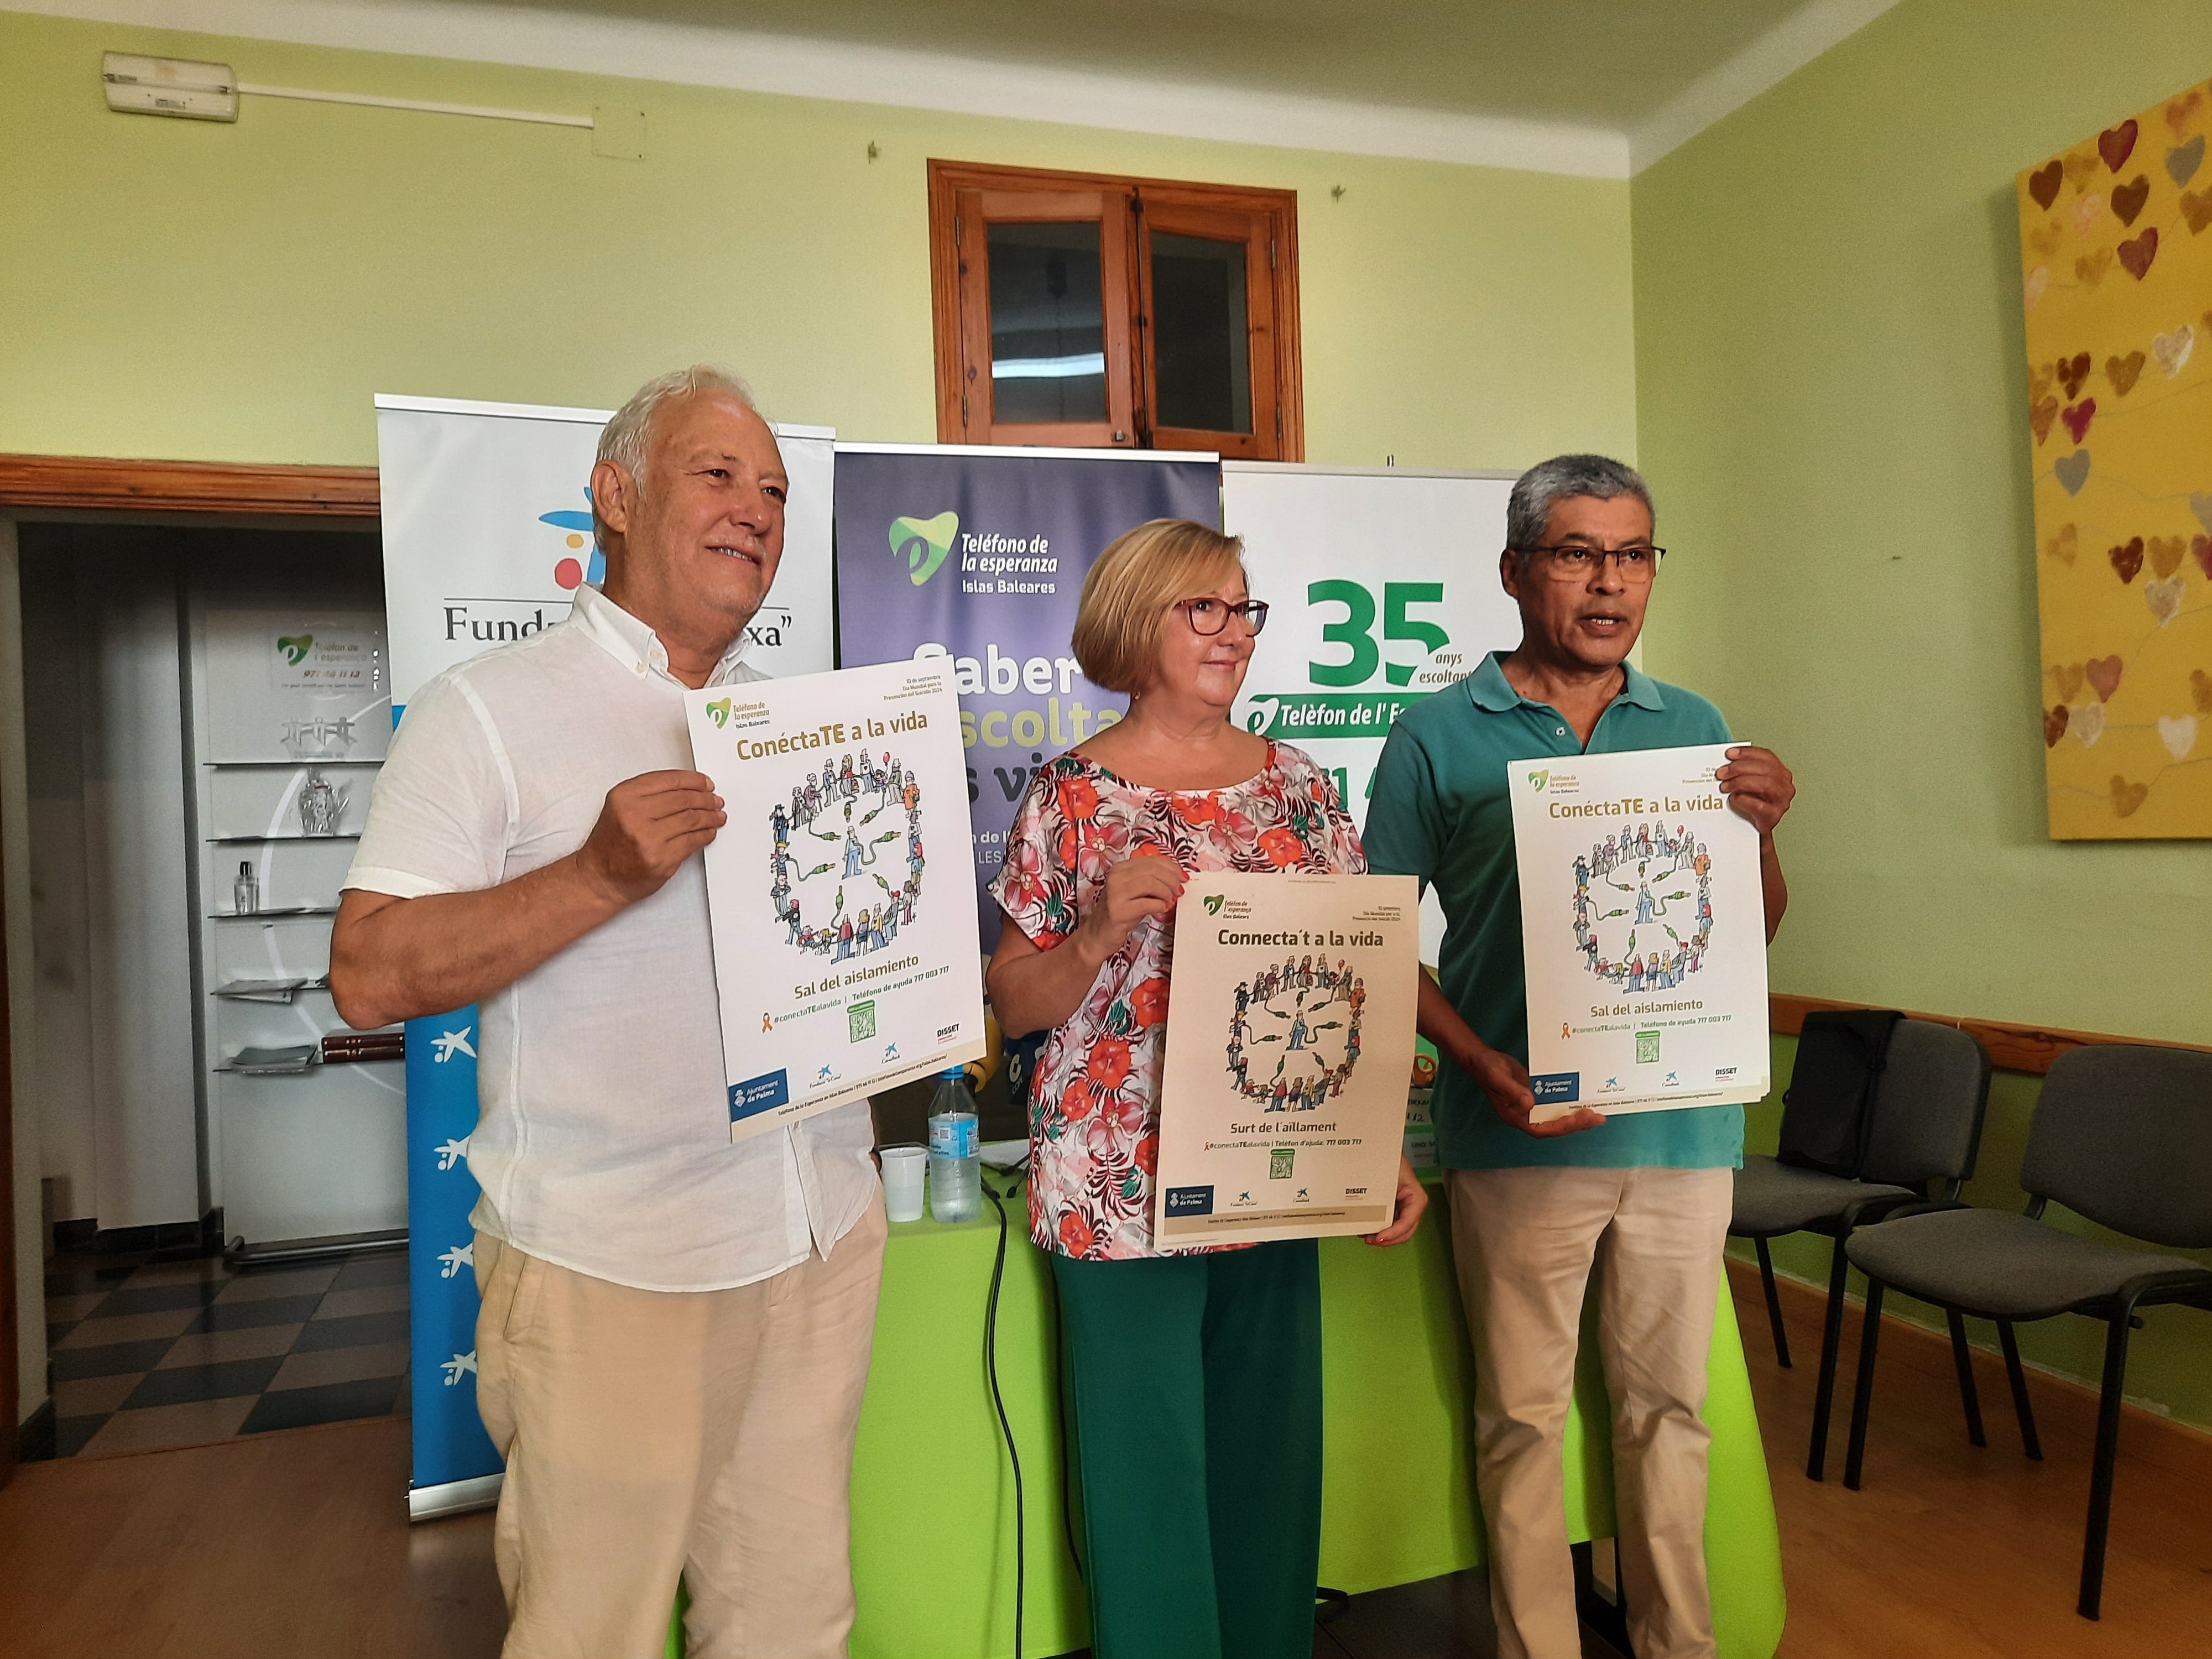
[{"x": 152, "y": 1352}]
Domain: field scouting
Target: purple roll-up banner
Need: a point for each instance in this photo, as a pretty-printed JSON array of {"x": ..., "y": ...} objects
[{"x": 979, "y": 555}]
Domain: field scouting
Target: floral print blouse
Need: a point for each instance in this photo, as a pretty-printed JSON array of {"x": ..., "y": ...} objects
[{"x": 1094, "y": 1106}]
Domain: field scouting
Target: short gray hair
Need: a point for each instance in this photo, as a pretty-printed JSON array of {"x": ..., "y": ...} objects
[
  {"x": 626, "y": 438},
  {"x": 1545, "y": 486}
]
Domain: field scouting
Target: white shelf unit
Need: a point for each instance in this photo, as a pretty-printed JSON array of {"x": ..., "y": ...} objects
[{"x": 321, "y": 1154}]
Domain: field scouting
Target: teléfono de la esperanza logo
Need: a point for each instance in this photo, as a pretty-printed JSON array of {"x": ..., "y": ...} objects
[{"x": 924, "y": 544}]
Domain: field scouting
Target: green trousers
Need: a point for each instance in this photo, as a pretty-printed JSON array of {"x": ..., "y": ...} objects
[{"x": 1197, "y": 1418}]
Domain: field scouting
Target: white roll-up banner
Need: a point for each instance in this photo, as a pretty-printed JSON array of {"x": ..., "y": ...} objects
[{"x": 487, "y": 535}]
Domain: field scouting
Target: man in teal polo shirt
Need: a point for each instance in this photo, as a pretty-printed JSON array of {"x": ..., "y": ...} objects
[{"x": 1534, "y": 1206}]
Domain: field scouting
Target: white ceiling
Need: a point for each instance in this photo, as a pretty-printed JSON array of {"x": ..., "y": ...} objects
[{"x": 1592, "y": 86}]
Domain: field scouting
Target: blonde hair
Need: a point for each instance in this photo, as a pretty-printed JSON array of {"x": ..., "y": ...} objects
[{"x": 1137, "y": 580}]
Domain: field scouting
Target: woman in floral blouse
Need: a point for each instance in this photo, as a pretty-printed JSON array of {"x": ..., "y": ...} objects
[{"x": 1197, "y": 1377}]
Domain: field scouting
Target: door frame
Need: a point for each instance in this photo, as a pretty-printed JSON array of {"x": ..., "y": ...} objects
[{"x": 34, "y": 487}]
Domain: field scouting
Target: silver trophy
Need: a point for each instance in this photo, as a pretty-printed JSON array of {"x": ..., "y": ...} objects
[{"x": 320, "y": 804}]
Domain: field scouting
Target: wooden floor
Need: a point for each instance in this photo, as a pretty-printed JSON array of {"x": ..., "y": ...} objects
[
  {"x": 1963, "y": 1553},
  {"x": 294, "y": 1544}
]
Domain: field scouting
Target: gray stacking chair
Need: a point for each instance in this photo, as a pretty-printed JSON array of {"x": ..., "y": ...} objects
[
  {"x": 1927, "y": 1128},
  {"x": 2123, "y": 1135}
]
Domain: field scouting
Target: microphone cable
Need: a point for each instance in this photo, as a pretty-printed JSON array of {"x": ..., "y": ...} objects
[{"x": 997, "y": 1402}]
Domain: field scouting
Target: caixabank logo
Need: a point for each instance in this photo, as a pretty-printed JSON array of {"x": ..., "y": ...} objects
[
  {"x": 572, "y": 559},
  {"x": 570, "y": 571}
]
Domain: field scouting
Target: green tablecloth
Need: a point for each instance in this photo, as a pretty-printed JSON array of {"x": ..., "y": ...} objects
[{"x": 933, "y": 1494}]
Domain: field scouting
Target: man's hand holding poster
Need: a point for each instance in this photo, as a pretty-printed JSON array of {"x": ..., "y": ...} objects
[
  {"x": 846, "y": 958},
  {"x": 1644, "y": 929}
]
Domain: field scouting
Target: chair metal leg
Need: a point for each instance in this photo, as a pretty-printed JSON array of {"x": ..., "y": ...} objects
[
  {"x": 1774, "y": 1305},
  {"x": 2100, "y": 1472},
  {"x": 1832, "y": 1341},
  {"x": 2020, "y": 1407},
  {"x": 1863, "y": 1395},
  {"x": 1962, "y": 1357}
]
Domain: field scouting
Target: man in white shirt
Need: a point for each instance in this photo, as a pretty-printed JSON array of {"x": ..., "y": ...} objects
[{"x": 675, "y": 1328}]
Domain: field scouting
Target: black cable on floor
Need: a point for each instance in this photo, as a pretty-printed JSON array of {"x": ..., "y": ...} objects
[
  {"x": 1067, "y": 1407},
  {"x": 991, "y": 1371}
]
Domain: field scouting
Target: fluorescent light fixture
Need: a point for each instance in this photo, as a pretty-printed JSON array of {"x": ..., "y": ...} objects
[
  {"x": 1048, "y": 369},
  {"x": 169, "y": 85}
]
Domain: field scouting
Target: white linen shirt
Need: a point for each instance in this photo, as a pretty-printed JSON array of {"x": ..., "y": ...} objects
[{"x": 603, "y": 1131}]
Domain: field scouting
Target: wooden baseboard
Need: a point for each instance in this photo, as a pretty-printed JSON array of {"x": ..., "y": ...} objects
[
  {"x": 96, "y": 483},
  {"x": 2012, "y": 1048}
]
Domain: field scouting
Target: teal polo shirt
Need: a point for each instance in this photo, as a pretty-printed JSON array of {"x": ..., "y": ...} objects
[{"x": 1439, "y": 811}]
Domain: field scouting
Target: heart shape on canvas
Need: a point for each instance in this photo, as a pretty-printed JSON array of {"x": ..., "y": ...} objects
[
  {"x": 2054, "y": 725},
  {"x": 2104, "y": 674},
  {"x": 2201, "y": 546},
  {"x": 2032, "y": 290},
  {"x": 2178, "y": 110},
  {"x": 2200, "y": 691},
  {"x": 2069, "y": 676},
  {"x": 2179, "y": 734},
  {"x": 2089, "y": 724},
  {"x": 2040, "y": 414},
  {"x": 2087, "y": 211},
  {"x": 2090, "y": 268},
  {"x": 2072, "y": 471},
  {"x": 2196, "y": 209},
  {"x": 2077, "y": 418},
  {"x": 2164, "y": 598},
  {"x": 2123, "y": 371},
  {"x": 2128, "y": 199},
  {"x": 2200, "y": 505},
  {"x": 2181, "y": 162},
  {"x": 2137, "y": 251},
  {"x": 2046, "y": 239},
  {"x": 2117, "y": 143},
  {"x": 2072, "y": 371},
  {"x": 2166, "y": 553},
  {"x": 2043, "y": 183},
  {"x": 2080, "y": 167},
  {"x": 2127, "y": 558},
  {"x": 2126, "y": 797},
  {"x": 2172, "y": 349},
  {"x": 2063, "y": 546}
]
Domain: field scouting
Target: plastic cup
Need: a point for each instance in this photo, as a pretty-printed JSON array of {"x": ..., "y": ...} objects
[{"x": 903, "y": 1167}]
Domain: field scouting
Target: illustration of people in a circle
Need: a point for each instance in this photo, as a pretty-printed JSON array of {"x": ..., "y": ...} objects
[
  {"x": 828, "y": 882},
  {"x": 1642, "y": 912},
  {"x": 1293, "y": 1011}
]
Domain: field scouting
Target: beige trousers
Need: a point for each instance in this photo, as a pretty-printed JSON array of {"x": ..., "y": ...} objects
[
  {"x": 650, "y": 1434},
  {"x": 1525, "y": 1242}
]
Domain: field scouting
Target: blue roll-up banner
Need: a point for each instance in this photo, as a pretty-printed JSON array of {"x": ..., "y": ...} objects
[
  {"x": 487, "y": 535},
  {"x": 979, "y": 555}
]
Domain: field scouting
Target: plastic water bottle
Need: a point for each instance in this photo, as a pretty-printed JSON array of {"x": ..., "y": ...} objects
[{"x": 956, "y": 1147}]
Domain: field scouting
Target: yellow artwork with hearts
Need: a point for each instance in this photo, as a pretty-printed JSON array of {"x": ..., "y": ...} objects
[{"x": 2116, "y": 257}]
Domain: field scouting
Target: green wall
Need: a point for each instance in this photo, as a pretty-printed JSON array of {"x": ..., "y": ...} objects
[
  {"x": 239, "y": 292},
  {"x": 1830, "y": 386},
  {"x": 1829, "y": 378}
]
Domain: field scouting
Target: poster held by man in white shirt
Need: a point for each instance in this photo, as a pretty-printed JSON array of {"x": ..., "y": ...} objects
[
  {"x": 845, "y": 963},
  {"x": 1644, "y": 929}
]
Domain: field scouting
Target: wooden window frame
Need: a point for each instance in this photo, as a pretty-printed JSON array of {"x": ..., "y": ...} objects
[{"x": 965, "y": 192}]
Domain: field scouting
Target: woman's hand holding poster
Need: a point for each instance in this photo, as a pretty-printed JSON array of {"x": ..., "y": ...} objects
[{"x": 1290, "y": 1043}]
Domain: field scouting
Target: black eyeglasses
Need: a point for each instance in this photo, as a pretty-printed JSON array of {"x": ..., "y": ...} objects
[
  {"x": 1210, "y": 617},
  {"x": 1571, "y": 563}
]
